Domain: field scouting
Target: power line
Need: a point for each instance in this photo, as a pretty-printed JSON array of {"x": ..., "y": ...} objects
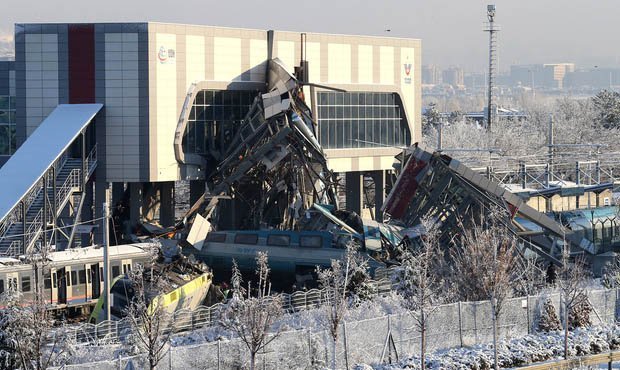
[{"x": 55, "y": 228}]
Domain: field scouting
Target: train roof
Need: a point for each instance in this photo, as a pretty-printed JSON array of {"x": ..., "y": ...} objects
[{"x": 76, "y": 254}]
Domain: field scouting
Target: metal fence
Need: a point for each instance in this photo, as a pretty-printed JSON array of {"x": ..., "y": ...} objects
[
  {"x": 367, "y": 341},
  {"x": 186, "y": 320}
]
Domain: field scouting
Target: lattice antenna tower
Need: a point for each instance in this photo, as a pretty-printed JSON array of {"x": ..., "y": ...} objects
[{"x": 492, "y": 29}]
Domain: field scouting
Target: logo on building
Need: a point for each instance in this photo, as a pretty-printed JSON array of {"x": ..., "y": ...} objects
[
  {"x": 407, "y": 72},
  {"x": 165, "y": 55}
]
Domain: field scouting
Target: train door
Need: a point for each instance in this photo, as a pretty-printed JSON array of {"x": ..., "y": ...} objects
[
  {"x": 61, "y": 277},
  {"x": 71, "y": 281},
  {"x": 87, "y": 284},
  {"x": 95, "y": 279},
  {"x": 54, "y": 285}
]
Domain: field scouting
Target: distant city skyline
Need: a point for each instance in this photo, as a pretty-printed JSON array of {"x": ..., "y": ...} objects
[{"x": 575, "y": 31}]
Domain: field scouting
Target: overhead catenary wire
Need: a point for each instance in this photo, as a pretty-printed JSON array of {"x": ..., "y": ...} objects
[{"x": 55, "y": 228}]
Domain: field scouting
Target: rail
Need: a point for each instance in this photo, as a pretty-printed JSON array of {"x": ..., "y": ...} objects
[
  {"x": 16, "y": 213},
  {"x": 34, "y": 230},
  {"x": 72, "y": 181},
  {"x": 91, "y": 161}
]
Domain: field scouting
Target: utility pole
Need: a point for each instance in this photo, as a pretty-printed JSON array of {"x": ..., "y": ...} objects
[
  {"x": 492, "y": 29},
  {"x": 106, "y": 255}
]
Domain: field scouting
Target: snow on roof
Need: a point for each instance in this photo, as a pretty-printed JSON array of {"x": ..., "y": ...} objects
[
  {"x": 40, "y": 151},
  {"x": 8, "y": 261},
  {"x": 516, "y": 188},
  {"x": 97, "y": 252}
]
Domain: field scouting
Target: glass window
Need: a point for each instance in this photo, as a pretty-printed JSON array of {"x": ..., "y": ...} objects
[
  {"x": 25, "y": 283},
  {"x": 200, "y": 97},
  {"x": 279, "y": 240},
  {"x": 246, "y": 238},
  {"x": 68, "y": 278},
  {"x": 212, "y": 111},
  {"x": 81, "y": 276},
  {"x": 353, "y": 120},
  {"x": 116, "y": 271},
  {"x": 74, "y": 280},
  {"x": 1, "y": 286},
  {"x": 310, "y": 241},
  {"x": 216, "y": 237},
  {"x": 47, "y": 282}
]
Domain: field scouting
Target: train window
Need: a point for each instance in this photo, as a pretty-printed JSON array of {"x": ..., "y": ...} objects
[
  {"x": 74, "y": 280},
  {"x": 216, "y": 237},
  {"x": 279, "y": 240},
  {"x": 25, "y": 283},
  {"x": 68, "y": 278},
  {"x": 81, "y": 276},
  {"x": 246, "y": 238},
  {"x": 101, "y": 273},
  {"x": 88, "y": 276},
  {"x": 116, "y": 270},
  {"x": 310, "y": 241},
  {"x": 54, "y": 280},
  {"x": 47, "y": 282},
  {"x": 1, "y": 286}
]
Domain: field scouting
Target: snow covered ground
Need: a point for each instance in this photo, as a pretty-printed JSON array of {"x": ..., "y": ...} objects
[
  {"x": 305, "y": 344},
  {"x": 516, "y": 352}
]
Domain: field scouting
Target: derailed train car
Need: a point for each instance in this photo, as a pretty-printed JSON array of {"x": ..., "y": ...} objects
[{"x": 71, "y": 279}]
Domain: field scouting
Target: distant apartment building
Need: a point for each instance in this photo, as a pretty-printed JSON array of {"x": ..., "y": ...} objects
[
  {"x": 453, "y": 76},
  {"x": 431, "y": 75},
  {"x": 549, "y": 76},
  {"x": 595, "y": 78},
  {"x": 474, "y": 80},
  {"x": 557, "y": 72}
]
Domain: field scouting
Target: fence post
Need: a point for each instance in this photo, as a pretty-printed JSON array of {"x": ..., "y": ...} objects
[
  {"x": 309, "y": 348},
  {"x": 346, "y": 353},
  {"x": 169, "y": 357},
  {"x": 218, "y": 354},
  {"x": 527, "y": 312},
  {"x": 389, "y": 333},
  {"x": 460, "y": 325}
]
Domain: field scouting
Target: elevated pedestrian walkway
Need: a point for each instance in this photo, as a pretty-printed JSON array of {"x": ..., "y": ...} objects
[{"x": 48, "y": 172}]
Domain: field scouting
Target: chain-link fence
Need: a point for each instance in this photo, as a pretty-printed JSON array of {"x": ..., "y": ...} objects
[
  {"x": 186, "y": 320},
  {"x": 373, "y": 340}
]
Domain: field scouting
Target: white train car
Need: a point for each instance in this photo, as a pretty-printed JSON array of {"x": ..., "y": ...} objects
[{"x": 71, "y": 278}]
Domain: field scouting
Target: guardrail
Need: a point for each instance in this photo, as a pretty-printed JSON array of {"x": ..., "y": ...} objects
[{"x": 91, "y": 160}]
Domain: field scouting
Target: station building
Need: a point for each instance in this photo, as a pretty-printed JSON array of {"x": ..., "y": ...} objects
[{"x": 364, "y": 92}]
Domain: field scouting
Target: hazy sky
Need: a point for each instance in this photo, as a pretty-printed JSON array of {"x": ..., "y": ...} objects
[{"x": 533, "y": 31}]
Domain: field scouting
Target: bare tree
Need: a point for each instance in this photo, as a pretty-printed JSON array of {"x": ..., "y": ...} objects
[
  {"x": 485, "y": 266},
  {"x": 611, "y": 274},
  {"x": 151, "y": 324},
  {"x": 251, "y": 315},
  {"x": 572, "y": 281},
  {"x": 419, "y": 281},
  {"x": 334, "y": 282},
  {"x": 31, "y": 339}
]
